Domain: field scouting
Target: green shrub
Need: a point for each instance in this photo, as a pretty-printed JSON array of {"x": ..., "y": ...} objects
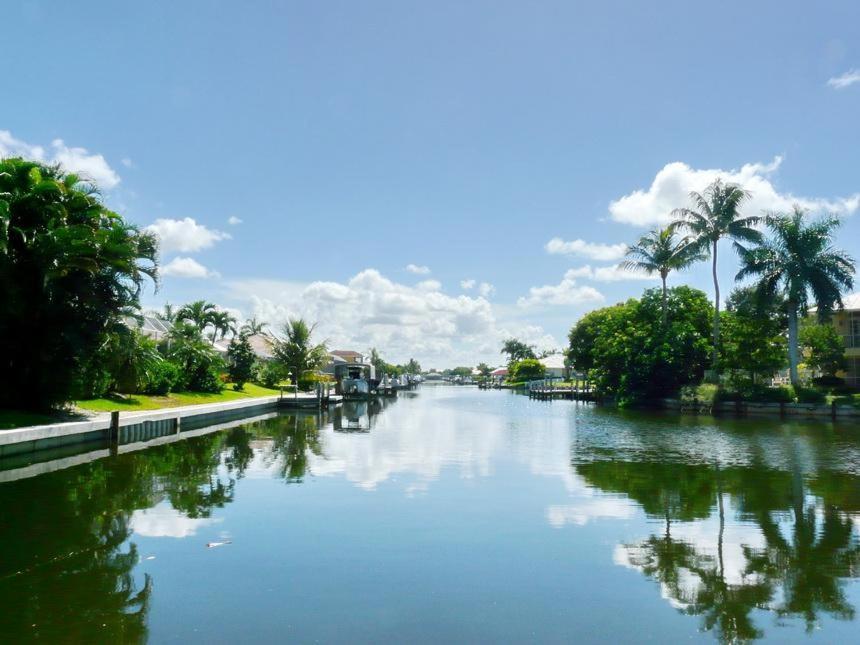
[
  {"x": 270, "y": 374},
  {"x": 161, "y": 378},
  {"x": 528, "y": 369},
  {"x": 810, "y": 395}
]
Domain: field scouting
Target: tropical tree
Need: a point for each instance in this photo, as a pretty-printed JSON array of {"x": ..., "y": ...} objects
[
  {"x": 517, "y": 350},
  {"x": 714, "y": 215},
  {"x": 199, "y": 313},
  {"x": 253, "y": 326},
  {"x": 296, "y": 352},
  {"x": 799, "y": 261},
  {"x": 241, "y": 360},
  {"x": 168, "y": 313},
  {"x": 484, "y": 369},
  {"x": 222, "y": 322},
  {"x": 660, "y": 252},
  {"x": 69, "y": 268},
  {"x": 199, "y": 364},
  {"x": 824, "y": 348},
  {"x": 413, "y": 367}
]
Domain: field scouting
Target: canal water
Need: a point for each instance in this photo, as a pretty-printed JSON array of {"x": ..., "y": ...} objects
[{"x": 447, "y": 515}]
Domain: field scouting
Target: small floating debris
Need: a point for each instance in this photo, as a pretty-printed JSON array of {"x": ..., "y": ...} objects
[{"x": 210, "y": 545}]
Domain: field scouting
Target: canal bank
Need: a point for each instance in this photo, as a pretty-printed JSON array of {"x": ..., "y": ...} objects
[{"x": 120, "y": 428}]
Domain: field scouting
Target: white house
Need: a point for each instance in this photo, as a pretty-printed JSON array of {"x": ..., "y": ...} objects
[{"x": 554, "y": 364}]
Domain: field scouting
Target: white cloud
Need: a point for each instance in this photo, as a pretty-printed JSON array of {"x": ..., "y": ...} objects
[
  {"x": 567, "y": 292},
  {"x": 612, "y": 273},
  {"x": 418, "y": 269},
  {"x": 234, "y": 221},
  {"x": 594, "y": 251},
  {"x": 164, "y": 521},
  {"x": 184, "y": 235},
  {"x": 403, "y": 321},
  {"x": 486, "y": 289},
  {"x": 672, "y": 185},
  {"x": 845, "y": 80},
  {"x": 466, "y": 285},
  {"x": 127, "y": 162},
  {"x": 90, "y": 167},
  {"x": 187, "y": 268}
]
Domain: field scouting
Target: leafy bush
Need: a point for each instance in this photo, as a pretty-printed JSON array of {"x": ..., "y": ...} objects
[
  {"x": 200, "y": 366},
  {"x": 810, "y": 395},
  {"x": 309, "y": 380},
  {"x": 630, "y": 354},
  {"x": 161, "y": 378},
  {"x": 528, "y": 369},
  {"x": 270, "y": 374}
]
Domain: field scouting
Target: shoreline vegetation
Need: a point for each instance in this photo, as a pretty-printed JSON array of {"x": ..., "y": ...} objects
[{"x": 72, "y": 271}]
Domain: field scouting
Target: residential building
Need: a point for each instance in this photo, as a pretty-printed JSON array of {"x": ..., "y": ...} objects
[
  {"x": 348, "y": 355},
  {"x": 555, "y": 365},
  {"x": 847, "y": 323}
]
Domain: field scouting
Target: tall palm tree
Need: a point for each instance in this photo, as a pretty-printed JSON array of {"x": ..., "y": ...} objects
[
  {"x": 715, "y": 214},
  {"x": 800, "y": 261},
  {"x": 252, "y": 326},
  {"x": 660, "y": 252},
  {"x": 222, "y": 322},
  {"x": 198, "y": 313},
  {"x": 168, "y": 313}
]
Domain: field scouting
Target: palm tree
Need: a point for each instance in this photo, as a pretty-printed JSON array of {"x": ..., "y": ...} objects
[
  {"x": 199, "y": 313},
  {"x": 252, "y": 326},
  {"x": 168, "y": 313},
  {"x": 660, "y": 252},
  {"x": 801, "y": 262},
  {"x": 715, "y": 215},
  {"x": 222, "y": 322},
  {"x": 296, "y": 352}
]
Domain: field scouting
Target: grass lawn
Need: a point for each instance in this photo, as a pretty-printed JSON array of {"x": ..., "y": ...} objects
[
  {"x": 136, "y": 402},
  {"x": 846, "y": 399}
]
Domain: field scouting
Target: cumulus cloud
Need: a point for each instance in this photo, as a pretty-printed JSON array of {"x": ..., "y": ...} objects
[
  {"x": 184, "y": 235},
  {"x": 403, "y": 321},
  {"x": 418, "y": 269},
  {"x": 187, "y": 268},
  {"x": 672, "y": 185},
  {"x": 127, "y": 162},
  {"x": 466, "y": 285},
  {"x": 591, "y": 250},
  {"x": 486, "y": 289},
  {"x": 845, "y": 80},
  {"x": 234, "y": 221},
  {"x": 90, "y": 167},
  {"x": 567, "y": 292}
]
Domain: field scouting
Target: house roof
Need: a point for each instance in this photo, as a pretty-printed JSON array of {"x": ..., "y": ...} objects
[
  {"x": 553, "y": 362},
  {"x": 148, "y": 325},
  {"x": 261, "y": 344},
  {"x": 345, "y": 353},
  {"x": 502, "y": 371},
  {"x": 852, "y": 301}
]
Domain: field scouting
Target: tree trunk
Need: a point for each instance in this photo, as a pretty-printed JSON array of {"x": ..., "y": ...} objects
[
  {"x": 665, "y": 304},
  {"x": 716, "y": 356},
  {"x": 792, "y": 344}
]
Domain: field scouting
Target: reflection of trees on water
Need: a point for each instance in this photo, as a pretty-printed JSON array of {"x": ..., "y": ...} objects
[
  {"x": 67, "y": 560},
  {"x": 807, "y": 543}
]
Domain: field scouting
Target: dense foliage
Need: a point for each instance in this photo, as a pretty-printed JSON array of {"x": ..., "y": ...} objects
[
  {"x": 240, "y": 360},
  {"x": 297, "y": 353},
  {"x": 630, "y": 355},
  {"x": 824, "y": 349},
  {"x": 752, "y": 343},
  {"x": 517, "y": 350},
  {"x": 528, "y": 369},
  {"x": 69, "y": 268},
  {"x": 199, "y": 364},
  {"x": 799, "y": 263}
]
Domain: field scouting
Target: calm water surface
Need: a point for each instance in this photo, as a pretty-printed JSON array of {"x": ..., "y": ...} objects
[{"x": 448, "y": 515}]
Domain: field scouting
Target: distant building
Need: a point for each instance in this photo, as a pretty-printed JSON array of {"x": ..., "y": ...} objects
[
  {"x": 348, "y": 355},
  {"x": 847, "y": 323},
  {"x": 150, "y": 326},
  {"x": 263, "y": 346},
  {"x": 555, "y": 365},
  {"x": 500, "y": 374}
]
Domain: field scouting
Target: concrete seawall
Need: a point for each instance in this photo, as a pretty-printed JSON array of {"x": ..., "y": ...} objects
[
  {"x": 133, "y": 426},
  {"x": 743, "y": 408}
]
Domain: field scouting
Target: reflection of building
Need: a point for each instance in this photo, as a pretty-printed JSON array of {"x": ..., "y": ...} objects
[{"x": 847, "y": 323}]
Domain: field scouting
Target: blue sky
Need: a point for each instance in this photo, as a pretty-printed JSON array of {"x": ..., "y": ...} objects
[{"x": 355, "y": 139}]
